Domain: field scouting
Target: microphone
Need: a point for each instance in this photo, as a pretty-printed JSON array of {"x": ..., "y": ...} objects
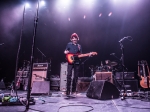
[
  {"x": 112, "y": 54},
  {"x": 128, "y": 37}
]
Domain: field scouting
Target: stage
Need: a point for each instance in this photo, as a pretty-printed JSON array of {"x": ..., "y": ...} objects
[{"x": 57, "y": 102}]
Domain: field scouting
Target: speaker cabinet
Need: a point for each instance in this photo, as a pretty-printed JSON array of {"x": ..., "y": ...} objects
[
  {"x": 83, "y": 84},
  {"x": 41, "y": 87},
  {"x": 133, "y": 84},
  {"x": 102, "y": 90},
  {"x": 103, "y": 76},
  {"x": 38, "y": 76},
  {"x": 39, "y": 72},
  {"x": 63, "y": 76},
  {"x": 127, "y": 75}
]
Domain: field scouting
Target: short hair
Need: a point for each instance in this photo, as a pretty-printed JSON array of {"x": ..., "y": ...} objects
[{"x": 74, "y": 35}]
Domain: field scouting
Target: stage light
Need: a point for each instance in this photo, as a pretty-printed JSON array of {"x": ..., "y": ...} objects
[
  {"x": 87, "y": 3},
  {"x": 100, "y": 14},
  {"x": 42, "y": 3},
  {"x": 68, "y": 19},
  {"x": 27, "y": 5},
  {"x": 84, "y": 16},
  {"x": 110, "y": 14},
  {"x": 64, "y": 3}
]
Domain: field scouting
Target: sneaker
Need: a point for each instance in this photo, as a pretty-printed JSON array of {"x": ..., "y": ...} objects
[
  {"x": 74, "y": 93},
  {"x": 66, "y": 93}
]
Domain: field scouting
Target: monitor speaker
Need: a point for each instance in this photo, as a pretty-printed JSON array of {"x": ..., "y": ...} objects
[
  {"x": 41, "y": 87},
  {"x": 102, "y": 90}
]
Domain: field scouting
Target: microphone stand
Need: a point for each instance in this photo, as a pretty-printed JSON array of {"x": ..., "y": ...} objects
[
  {"x": 123, "y": 68},
  {"x": 84, "y": 62},
  {"x": 32, "y": 56},
  {"x": 41, "y": 53}
]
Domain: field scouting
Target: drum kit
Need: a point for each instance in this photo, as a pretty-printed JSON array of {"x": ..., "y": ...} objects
[{"x": 108, "y": 67}]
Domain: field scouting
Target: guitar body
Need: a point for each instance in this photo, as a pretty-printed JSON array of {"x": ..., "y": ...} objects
[
  {"x": 145, "y": 82},
  {"x": 145, "y": 77},
  {"x": 75, "y": 57},
  {"x": 18, "y": 84},
  {"x": 71, "y": 58},
  {"x": 19, "y": 79}
]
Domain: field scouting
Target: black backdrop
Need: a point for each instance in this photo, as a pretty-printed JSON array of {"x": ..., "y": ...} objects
[{"x": 100, "y": 34}]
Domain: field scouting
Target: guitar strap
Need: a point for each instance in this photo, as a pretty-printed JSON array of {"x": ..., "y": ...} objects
[{"x": 79, "y": 47}]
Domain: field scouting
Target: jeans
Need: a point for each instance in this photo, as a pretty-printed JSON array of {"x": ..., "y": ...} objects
[{"x": 75, "y": 78}]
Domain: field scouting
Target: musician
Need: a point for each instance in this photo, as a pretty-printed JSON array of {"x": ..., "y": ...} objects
[{"x": 74, "y": 48}]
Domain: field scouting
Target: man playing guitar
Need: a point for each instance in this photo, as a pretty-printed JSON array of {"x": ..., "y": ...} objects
[{"x": 73, "y": 48}]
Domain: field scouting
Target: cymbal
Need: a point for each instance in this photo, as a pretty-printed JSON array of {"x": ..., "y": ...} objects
[{"x": 113, "y": 63}]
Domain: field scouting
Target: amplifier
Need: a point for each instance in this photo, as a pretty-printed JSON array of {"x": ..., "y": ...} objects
[
  {"x": 133, "y": 84},
  {"x": 103, "y": 76},
  {"x": 39, "y": 72},
  {"x": 40, "y": 66},
  {"x": 127, "y": 75},
  {"x": 83, "y": 83}
]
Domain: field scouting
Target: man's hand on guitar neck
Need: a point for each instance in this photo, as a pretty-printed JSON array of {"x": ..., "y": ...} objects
[
  {"x": 66, "y": 51},
  {"x": 90, "y": 54}
]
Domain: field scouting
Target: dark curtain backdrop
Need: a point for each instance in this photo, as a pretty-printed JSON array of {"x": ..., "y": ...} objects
[{"x": 100, "y": 34}]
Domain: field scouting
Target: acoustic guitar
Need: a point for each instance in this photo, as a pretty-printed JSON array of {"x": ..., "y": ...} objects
[
  {"x": 73, "y": 57},
  {"x": 145, "y": 82}
]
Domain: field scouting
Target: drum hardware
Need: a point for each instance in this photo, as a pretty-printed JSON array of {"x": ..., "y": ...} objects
[
  {"x": 92, "y": 70},
  {"x": 108, "y": 67}
]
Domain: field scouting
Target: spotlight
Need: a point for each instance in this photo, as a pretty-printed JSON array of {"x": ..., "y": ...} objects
[
  {"x": 110, "y": 14},
  {"x": 84, "y": 16},
  {"x": 27, "y": 5},
  {"x": 64, "y": 3},
  {"x": 42, "y": 3},
  {"x": 68, "y": 19},
  {"x": 87, "y": 3},
  {"x": 100, "y": 14}
]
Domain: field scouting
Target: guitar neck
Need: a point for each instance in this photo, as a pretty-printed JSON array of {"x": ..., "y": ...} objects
[{"x": 83, "y": 55}]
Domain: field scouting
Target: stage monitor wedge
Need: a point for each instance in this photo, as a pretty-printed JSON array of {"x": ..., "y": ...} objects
[{"x": 102, "y": 90}]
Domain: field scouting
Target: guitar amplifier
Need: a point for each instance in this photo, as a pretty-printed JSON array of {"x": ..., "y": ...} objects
[
  {"x": 103, "y": 76},
  {"x": 132, "y": 84},
  {"x": 40, "y": 66},
  {"x": 127, "y": 75},
  {"x": 39, "y": 72}
]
